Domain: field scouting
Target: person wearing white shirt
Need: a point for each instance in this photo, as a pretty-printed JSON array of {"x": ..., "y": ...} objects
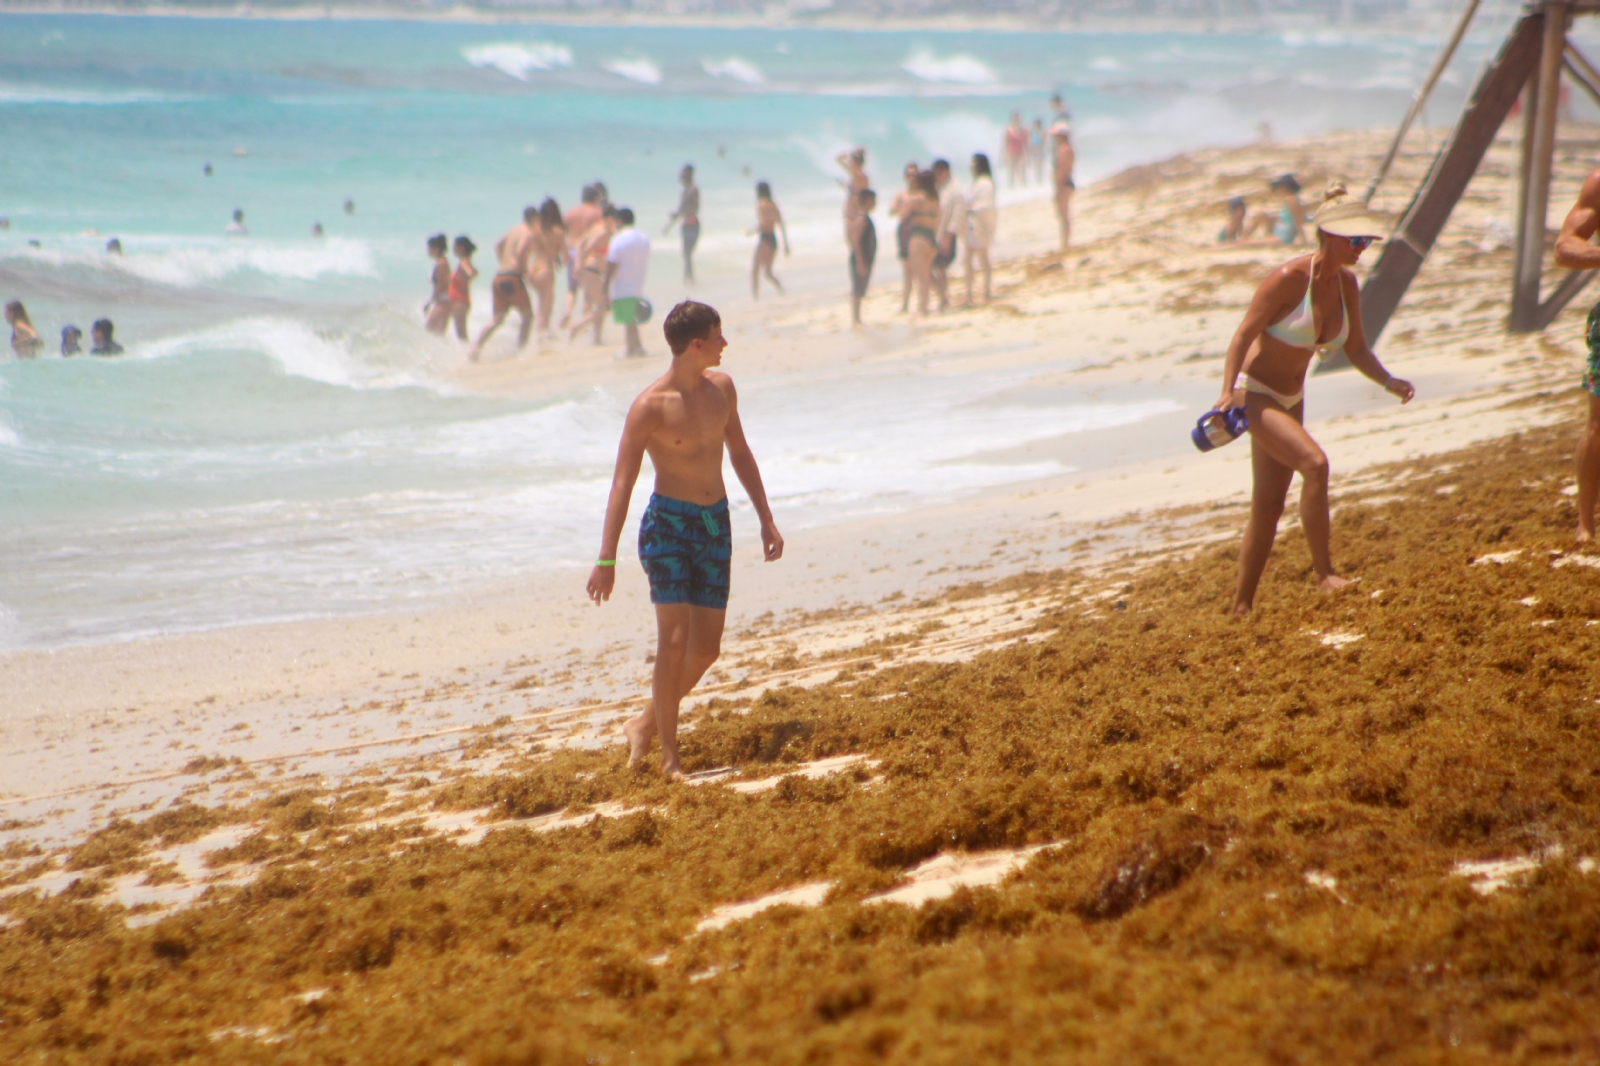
[
  {"x": 982, "y": 217},
  {"x": 952, "y": 221},
  {"x": 627, "y": 260}
]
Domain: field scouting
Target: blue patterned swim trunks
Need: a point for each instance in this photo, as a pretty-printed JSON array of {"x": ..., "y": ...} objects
[
  {"x": 1591, "y": 373},
  {"x": 686, "y": 549}
]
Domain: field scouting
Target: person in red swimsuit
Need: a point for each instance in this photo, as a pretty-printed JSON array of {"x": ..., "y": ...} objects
[{"x": 461, "y": 284}]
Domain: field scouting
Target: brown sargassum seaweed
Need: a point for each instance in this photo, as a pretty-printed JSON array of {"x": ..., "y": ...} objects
[{"x": 1192, "y": 768}]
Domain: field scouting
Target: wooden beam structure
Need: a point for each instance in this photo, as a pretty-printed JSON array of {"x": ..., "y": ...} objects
[
  {"x": 1530, "y": 63},
  {"x": 1539, "y": 162},
  {"x": 1487, "y": 107}
]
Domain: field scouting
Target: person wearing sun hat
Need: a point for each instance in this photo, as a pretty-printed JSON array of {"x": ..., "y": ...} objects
[{"x": 1312, "y": 303}]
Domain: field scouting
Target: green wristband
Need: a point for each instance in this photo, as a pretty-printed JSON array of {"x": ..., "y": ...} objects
[{"x": 605, "y": 562}]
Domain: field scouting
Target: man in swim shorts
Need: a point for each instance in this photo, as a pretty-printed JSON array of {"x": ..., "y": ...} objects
[
  {"x": 509, "y": 287},
  {"x": 627, "y": 260},
  {"x": 683, "y": 421},
  {"x": 1575, "y": 252}
]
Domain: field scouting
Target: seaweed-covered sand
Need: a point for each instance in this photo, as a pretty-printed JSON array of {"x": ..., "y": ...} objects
[{"x": 1350, "y": 828}]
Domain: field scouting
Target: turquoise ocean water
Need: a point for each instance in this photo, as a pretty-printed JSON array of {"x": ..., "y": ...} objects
[{"x": 278, "y": 443}]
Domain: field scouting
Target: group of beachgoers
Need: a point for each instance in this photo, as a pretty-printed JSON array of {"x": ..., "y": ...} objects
[
  {"x": 1286, "y": 224},
  {"x": 935, "y": 220},
  {"x": 26, "y": 343},
  {"x": 595, "y": 244},
  {"x": 1309, "y": 305},
  {"x": 1026, "y": 149}
]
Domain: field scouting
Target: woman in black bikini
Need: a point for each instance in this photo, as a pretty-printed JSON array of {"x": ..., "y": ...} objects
[
  {"x": 768, "y": 219},
  {"x": 921, "y": 219}
]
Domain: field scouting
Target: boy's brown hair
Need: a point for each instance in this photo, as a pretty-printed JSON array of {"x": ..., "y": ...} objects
[{"x": 688, "y": 322}]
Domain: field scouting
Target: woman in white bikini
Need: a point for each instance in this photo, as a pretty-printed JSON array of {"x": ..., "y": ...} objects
[{"x": 1312, "y": 303}]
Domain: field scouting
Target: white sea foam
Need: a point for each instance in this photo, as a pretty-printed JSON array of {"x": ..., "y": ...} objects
[
  {"x": 294, "y": 346},
  {"x": 519, "y": 60},
  {"x": 1106, "y": 65},
  {"x": 640, "y": 70},
  {"x": 925, "y": 90},
  {"x": 955, "y": 137},
  {"x": 186, "y": 264},
  {"x": 734, "y": 68},
  {"x": 960, "y": 69},
  {"x": 44, "y": 94},
  {"x": 9, "y": 437}
]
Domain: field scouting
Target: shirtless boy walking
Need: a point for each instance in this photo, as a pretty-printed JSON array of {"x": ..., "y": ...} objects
[
  {"x": 683, "y": 420},
  {"x": 1574, "y": 251},
  {"x": 510, "y": 286}
]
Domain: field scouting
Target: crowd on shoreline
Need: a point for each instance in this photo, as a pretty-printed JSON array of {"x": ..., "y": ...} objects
[{"x": 606, "y": 258}]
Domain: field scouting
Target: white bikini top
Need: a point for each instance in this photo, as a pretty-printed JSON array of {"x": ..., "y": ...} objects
[{"x": 1300, "y": 329}]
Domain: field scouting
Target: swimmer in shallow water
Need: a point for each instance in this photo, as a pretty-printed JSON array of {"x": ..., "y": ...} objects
[
  {"x": 100, "y": 337},
  {"x": 460, "y": 292},
  {"x": 236, "y": 228},
  {"x": 1312, "y": 303},
  {"x": 438, "y": 306},
  {"x": 25, "y": 340},
  {"x": 549, "y": 257},
  {"x": 509, "y": 288},
  {"x": 71, "y": 341}
]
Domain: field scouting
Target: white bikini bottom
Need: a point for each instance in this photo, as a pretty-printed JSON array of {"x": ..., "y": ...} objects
[{"x": 1252, "y": 385}]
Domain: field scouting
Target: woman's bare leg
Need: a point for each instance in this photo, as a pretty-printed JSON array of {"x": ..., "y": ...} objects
[
  {"x": 1281, "y": 437},
  {"x": 966, "y": 263},
  {"x": 1271, "y": 486},
  {"x": 544, "y": 286},
  {"x": 755, "y": 272},
  {"x": 921, "y": 260}
]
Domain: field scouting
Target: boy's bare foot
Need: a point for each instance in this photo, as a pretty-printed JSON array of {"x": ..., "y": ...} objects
[
  {"x": 1585, "y": 535},
  {"x": 638, "y": 734},
  {"x": 1332, "y": 583}
]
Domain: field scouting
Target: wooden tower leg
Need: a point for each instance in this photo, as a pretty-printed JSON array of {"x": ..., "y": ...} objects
[
  {"x": 1539, "y": 163},
  {"x": 1452, "y": 169}
]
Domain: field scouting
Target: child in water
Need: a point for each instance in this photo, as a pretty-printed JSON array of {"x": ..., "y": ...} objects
[{"x": 460, "y": 291}]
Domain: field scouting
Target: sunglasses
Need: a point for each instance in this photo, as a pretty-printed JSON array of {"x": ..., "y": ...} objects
[{"x": 1360, "y": 244}]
